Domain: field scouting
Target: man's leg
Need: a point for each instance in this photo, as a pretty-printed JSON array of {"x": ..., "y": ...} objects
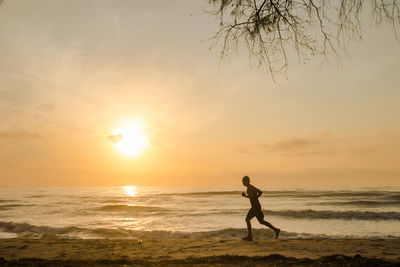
[
  {"x": 249, "y": 228},
  {"x": 249, "y": 216},
  {"x": 261, "y": 220},
  {"x": 268, "y": 224}
]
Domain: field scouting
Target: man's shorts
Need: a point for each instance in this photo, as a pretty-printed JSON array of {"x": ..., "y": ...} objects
[{"x": 255, "y": 213}]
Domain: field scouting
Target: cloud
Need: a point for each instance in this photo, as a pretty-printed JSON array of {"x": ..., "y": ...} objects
[
  {"x": 243, "y": 150},
  {"x": 293, "y": 146},
  {"x": 115, "y": 138},
  {"x": 363, "y": 149},
  {"x": 309, "y": 153},
  {"x": 19, "y": 135},
  {"x": 290, "y": 144}
]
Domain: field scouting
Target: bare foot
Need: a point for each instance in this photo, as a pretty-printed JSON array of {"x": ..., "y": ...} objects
[
  {"x": 248, "y": 238},
  {"x": 277, "y": 231}
]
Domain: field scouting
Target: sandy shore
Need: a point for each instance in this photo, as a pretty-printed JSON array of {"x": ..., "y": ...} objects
[{"x": 200, "y": 252}]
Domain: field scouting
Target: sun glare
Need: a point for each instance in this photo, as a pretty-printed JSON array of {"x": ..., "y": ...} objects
[
  {"x": 130, "y": 190},
  {"x": 130, "y": 139}
]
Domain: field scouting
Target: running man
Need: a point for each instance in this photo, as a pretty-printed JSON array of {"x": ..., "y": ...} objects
[{"x": 255, "y": 211}]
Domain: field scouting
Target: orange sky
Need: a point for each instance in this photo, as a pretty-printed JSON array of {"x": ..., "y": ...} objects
[{"x": 73, "y": 72}]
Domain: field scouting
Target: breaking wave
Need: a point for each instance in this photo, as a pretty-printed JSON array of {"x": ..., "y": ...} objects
[
  {"x": 26, "y": 230},
  {"x": 295, "y": 214},
  {"x": 328, "y": 214}
]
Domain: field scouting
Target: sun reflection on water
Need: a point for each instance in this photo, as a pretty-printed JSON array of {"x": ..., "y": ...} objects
[{"x": 130, "y": 190}]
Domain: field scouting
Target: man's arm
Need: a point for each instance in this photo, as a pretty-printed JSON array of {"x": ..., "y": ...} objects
[
  {"x": 259, "y": 192},
  {"x": 244, "y": 195}
]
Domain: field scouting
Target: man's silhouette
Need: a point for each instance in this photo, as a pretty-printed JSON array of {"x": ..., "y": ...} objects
[{"x": 255, "y": 211}]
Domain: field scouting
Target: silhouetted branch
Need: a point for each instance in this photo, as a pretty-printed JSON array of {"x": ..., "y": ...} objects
[{"x": 269, "y": 28}]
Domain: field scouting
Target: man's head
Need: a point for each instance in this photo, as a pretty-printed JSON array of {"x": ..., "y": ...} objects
[{"x": 246, "y": 180}]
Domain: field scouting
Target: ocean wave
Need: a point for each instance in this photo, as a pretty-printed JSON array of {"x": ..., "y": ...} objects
[
  {"x": 205, "y": 193},
  {"x": 13, "y": 206},
  {"x": 8, "y": 200},
  {"x": 121, "y": 200},
  {"x": 296, "y": 214},
  {"x": 328, "y": 214},
  {"x": 394, "y": 196},
  {"x": 299, "y": 193},
  {"x": 362, "y": 203},
  {"x": 105, "y": 199},
  {"x": 38, "y": 196},
  {"x": 29, "y": 231},
  {"x": 131, "y": 208}
]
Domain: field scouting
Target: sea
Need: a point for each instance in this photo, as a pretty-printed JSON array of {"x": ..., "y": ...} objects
[{"x": 138, "y": 212}]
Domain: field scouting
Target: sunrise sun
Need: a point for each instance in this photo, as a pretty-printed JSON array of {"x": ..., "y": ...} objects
[{"x": 130, "y": 139}]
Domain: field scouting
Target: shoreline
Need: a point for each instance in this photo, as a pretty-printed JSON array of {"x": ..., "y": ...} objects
[{"x": 198, "y": 252}]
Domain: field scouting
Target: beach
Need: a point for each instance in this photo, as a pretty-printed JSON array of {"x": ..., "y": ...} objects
[
  {"x": 202, "y": 252},
  {"x": 147, "y": 226}
]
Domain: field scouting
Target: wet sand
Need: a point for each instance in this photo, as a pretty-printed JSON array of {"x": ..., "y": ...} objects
[{"x": 199, "y": 252}]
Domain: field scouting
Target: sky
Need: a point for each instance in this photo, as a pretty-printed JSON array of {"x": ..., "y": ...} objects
[{"x": 74, "y": 73}]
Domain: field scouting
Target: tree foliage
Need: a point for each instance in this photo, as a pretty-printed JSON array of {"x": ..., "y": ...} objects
[{"x": 270, "y": 29}]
